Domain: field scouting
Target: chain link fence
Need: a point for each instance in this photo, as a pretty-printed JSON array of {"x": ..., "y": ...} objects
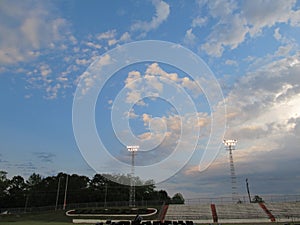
[{"x": 80, "y": 206}]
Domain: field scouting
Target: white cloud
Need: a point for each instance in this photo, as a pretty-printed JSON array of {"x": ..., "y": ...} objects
[
  {"x": 112, "y": 42},
  {"x": 45, "y": 70},
  {"x": 251, "y": 17},
  {"x": 162, "y": 11},
  {"x": 27, "y": 27},
  {"x": 82, "y": 61},
  {"x": 125, "y": 37},
  {"x": 189, "y": 38},
  {"x": 261, "y": 13},
  {"x": 199, "y": 21},
  {"x": 263, "y": 111},
  {"x": 277, "y": 34},
  {"x": 110, "y": 37},
  {"x": 73, "y": 40},
  {"x": 167, "y": 132},
  {"x": 284, "y": 50},
  {"x": 262, "y": 103},
  {"x": 52, "y": 91},
  {"x": 88, "y": 78},
  {"x": 131, "y": 78},
  {"x": 221, "y": 8},
  {"x": 295, "y": 18},
  {"x": 107, "y": 35},
  {"x": 152, "y": 83},
  {"x": 231, "y": 62},
  {"x": 230, "y": 31},
  {"x": 93, "y": 45},
  {"x": 131, "y": 114}
]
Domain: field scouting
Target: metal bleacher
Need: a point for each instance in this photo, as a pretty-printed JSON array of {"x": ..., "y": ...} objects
[
  {"x": 229, "y": 212},
  {"x": 240, "y": 211},
  {"x": 200, "y": 213},
  {"x": 285, "y": 211}
]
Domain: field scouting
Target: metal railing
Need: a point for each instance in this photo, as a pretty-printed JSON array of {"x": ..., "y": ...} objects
[{"x": 70, "y": 206}]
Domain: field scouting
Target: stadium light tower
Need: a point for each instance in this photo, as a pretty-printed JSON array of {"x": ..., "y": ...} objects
[
  {"x": 230, "y": 146},
  {"x": 133, "y": 149}
]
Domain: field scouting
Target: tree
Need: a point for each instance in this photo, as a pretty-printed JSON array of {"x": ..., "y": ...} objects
[
  {"x": 38, "y": 191},
  {"x": 3, "y": 189},
  {"x": 16, "y": 189},
  {"x": 34, "y": 180},
  {"x": 3, "y": 184},
  {"x": 177, "y": 199}
]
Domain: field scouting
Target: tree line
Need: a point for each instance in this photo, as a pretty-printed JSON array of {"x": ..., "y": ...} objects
[{"x": 39, "y": 191}]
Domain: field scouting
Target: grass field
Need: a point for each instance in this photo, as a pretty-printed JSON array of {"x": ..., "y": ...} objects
[
  {"x": 50, "y": 218},
  {"x": 35, "y": 223}
]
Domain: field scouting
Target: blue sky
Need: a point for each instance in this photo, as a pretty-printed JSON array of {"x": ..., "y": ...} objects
[{"x": 251, "y": 48}]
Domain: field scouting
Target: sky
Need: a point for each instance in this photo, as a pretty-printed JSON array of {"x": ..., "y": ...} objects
[{"x": 81, "y": 80}]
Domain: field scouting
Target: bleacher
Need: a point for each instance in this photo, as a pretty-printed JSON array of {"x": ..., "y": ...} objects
[
  {"x": 200, "y": 213},
  {"x": 229, "y": 212},
  {"x": 240, "y": 211},
  {"x": 285, "y": 211},
  {"x": 185, "y": 214}
]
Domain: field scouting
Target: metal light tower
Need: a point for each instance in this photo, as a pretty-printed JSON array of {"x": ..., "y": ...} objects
[
  {"x": 230, "y": 146},
  {"x": 132, "y": 149}
]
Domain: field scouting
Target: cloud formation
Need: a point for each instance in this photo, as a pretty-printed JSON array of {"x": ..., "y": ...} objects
[
  {"x": 162, "y": 11},
  {"x": 235, "y": 22},
  {"x": 151, "y": 83},
  {"x": 34, "y": 28},
  {"x": 47, "y": 157}
]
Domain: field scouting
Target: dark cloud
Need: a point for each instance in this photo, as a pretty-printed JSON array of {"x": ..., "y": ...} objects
[
  {"x": 2, "y": 160},
  {"x": 45, "y": 156},
  {"x": 25, "y": 166}
]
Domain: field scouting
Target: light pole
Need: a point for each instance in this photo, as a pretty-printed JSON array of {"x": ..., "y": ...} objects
[
  {"x": 57, "y": 193},
  {"x": 105, "y": 195},
  {"x": 66, "y": 189},
  {"x": 230, "y": 146},
  {"x": 26, "y": 203},
  {"x": 132, "y": 149}
]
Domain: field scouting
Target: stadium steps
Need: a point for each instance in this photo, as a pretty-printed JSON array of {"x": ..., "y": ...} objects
[
  {"x": 235, "y": 213},
  {"x": 189, "y": 212},
  {"x": 240, "y": 211},
  {"x": 267, "y": 211},
  {"x": 287, "y": 211}
]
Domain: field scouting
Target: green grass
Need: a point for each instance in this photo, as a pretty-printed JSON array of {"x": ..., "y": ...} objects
[
  {"x": 53, "y": 218},
  {"x": 28, "y": 222}
]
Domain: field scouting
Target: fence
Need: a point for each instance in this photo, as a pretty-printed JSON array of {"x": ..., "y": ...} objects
[
  {"x": 194, "y": 201},
  {"x": 80, "y": 205}
]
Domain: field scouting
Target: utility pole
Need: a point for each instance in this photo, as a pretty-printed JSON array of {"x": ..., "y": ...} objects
[{"x": 248, "y": 191}]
